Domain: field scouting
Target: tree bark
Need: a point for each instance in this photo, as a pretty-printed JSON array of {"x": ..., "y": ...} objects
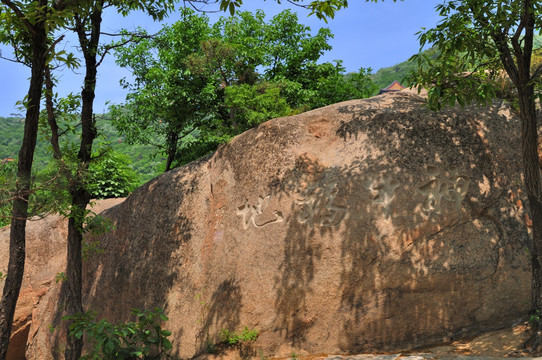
[
  {"x": 17, "y": 246},
  {"x": 78, "y": 192},
  {"x": 74, "y": 305},
  {"x": 531, "y": 170},
  {"x": 173, "y": 138}
]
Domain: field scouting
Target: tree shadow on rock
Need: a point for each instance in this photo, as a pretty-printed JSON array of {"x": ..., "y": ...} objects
[
  {"x": 425, "y": 221},
  {"x": 418, "y": 255},
  {"x": 142, "y": 254},
  {"x": 221, "y": 313}
]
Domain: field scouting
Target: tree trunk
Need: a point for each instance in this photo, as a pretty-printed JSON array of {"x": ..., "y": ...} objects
[
  {"x": 173, "y": 138},
  {"x": 17, "y": 236},
  {"x": 74, "y": 304},
  {"x": 79, "y": 194},
  {"x": 531, "y": 169}
]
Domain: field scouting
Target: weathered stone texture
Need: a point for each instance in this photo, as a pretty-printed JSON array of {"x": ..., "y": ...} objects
[
  {"x": 45, "y": 258},
  {"x": 366, "y": 225}
]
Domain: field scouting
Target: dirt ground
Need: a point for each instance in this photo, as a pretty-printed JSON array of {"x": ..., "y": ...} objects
[
  {"x": 503, "y": 343},
  {"x": 500, "y": 343}
]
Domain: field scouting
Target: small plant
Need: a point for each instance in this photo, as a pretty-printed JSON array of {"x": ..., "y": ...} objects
[
  {"x": 233, "y": 338},
  {"x": 2, "y": 276},
  {"x": 210, "y": 348},
  {"x": 90, "y": 247},
  {"x": 111, "y": 176},
  {"x": 294, "y": 356},
  {"x": 262, "y": 356},
  {"x": 60, "y": 277},
  {"x": 535, "y": 318},
  {"x": 144, "y": 339}
]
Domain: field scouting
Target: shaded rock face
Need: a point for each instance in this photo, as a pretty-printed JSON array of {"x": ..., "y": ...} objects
[
  {"x": 367, "y": 225},
  {"x": 45, "y": 258},
  {"x": 46, "y": 252}
]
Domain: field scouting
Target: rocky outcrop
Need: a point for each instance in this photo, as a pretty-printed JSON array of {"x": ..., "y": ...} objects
[
  {"x": 45, "y": 258},
  {"x": 366, "y": 225}
]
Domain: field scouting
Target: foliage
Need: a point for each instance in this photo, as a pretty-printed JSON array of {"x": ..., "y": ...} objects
[
  {"x": 141, "y": 156},
  {"x": 232, "y": 338},
  {"x": 398, "y": 72},
  {"x": 323, "y": 9},
  {"x": 47, "y": 194},
  {"x": 332, "y": 86},
  {"x": 535, "y": 318},
  {"x": 479, "y": 43},
  {"x": 197, "y": 86},
  {"x": 143, "y": 339},
  {"x": 254, "y": 104},
  {"x": 468, "y": 63},
  {"x": 7, "y": 184},
  {"x": 111, "y": 176},
  {"x": 60, "y": 277},
  {"x": 166, "y": 99}
]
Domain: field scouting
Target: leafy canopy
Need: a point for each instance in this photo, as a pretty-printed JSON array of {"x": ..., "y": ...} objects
[
  {"x": 197, "y": 85},
  {"x": 476, "y": 43}
]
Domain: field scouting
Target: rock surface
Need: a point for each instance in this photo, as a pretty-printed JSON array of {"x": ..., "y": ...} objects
[
  {"x": 45, "y": 258},
  {"x": 369, "y": 225}
]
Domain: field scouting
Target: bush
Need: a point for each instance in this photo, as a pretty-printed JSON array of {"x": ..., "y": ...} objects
[
  {"x": 144, "y": 339},
  {"x": 232, "y": 338},
  {"x": 111, "y": 176}
]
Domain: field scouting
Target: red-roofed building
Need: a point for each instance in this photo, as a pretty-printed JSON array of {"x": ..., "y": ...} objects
[{"x": 394, "y": 86}]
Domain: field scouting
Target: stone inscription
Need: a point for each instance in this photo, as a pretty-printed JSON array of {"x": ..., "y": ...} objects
[
  {"x": 383, "y": 191},
  {"x": 317, "y": 205},
  {"x": 316, "y": 202},
  {"x": 448, "y": 185},
  {"x": 250, "y": 213}
]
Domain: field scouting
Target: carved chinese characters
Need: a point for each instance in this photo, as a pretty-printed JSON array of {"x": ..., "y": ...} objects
[
  {"x": 251, "y": 212},
  {"x": 383, "y": 191},
  {"x": 316, "y": 203},
  {"x": 448, "y": 185}
]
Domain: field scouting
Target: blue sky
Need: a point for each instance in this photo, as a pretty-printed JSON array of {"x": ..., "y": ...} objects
[{"x": 371, "y": 35}]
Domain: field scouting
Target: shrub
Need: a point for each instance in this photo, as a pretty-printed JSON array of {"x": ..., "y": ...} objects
[
  {"x": 232, "y": 338},
  {"x": 111, "y": 176},
  {"x": 144, "y": 339}
]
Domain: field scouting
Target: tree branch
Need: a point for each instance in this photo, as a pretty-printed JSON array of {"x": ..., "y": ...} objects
[
  {"x": 536, "y": 73},
  {"x": 51, "y": 116},
  {"x": 133, "y": 37},
  {"x": 11, "y": 60},
  {"x": 20, "y": 15},
  {"x": 54, "y": 44}
]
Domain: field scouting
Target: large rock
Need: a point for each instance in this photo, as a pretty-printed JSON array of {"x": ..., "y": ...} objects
[
  {"x": 367, "y": 225},
  {"x": 45, "y": 258}
]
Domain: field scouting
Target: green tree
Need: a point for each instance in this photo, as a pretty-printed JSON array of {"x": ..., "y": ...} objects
[
  {"x": 195, "y": 92},
  {"x": 477, "y": 40},
  {"x": 291, "y": 49},
  {"x": 28, "y": 27},
  {"x": 254, "y": 104},
  {"x": 167, "y": 100},
  {"x": 330, "y": 84},
  {"x": 111, "y": 176},
  {"x": 86, "y": 23}
]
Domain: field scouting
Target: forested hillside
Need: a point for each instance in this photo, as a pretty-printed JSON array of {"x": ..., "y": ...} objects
[
  {"x": 385, "y": 76},
  {"x": 142, "y": 156}
]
